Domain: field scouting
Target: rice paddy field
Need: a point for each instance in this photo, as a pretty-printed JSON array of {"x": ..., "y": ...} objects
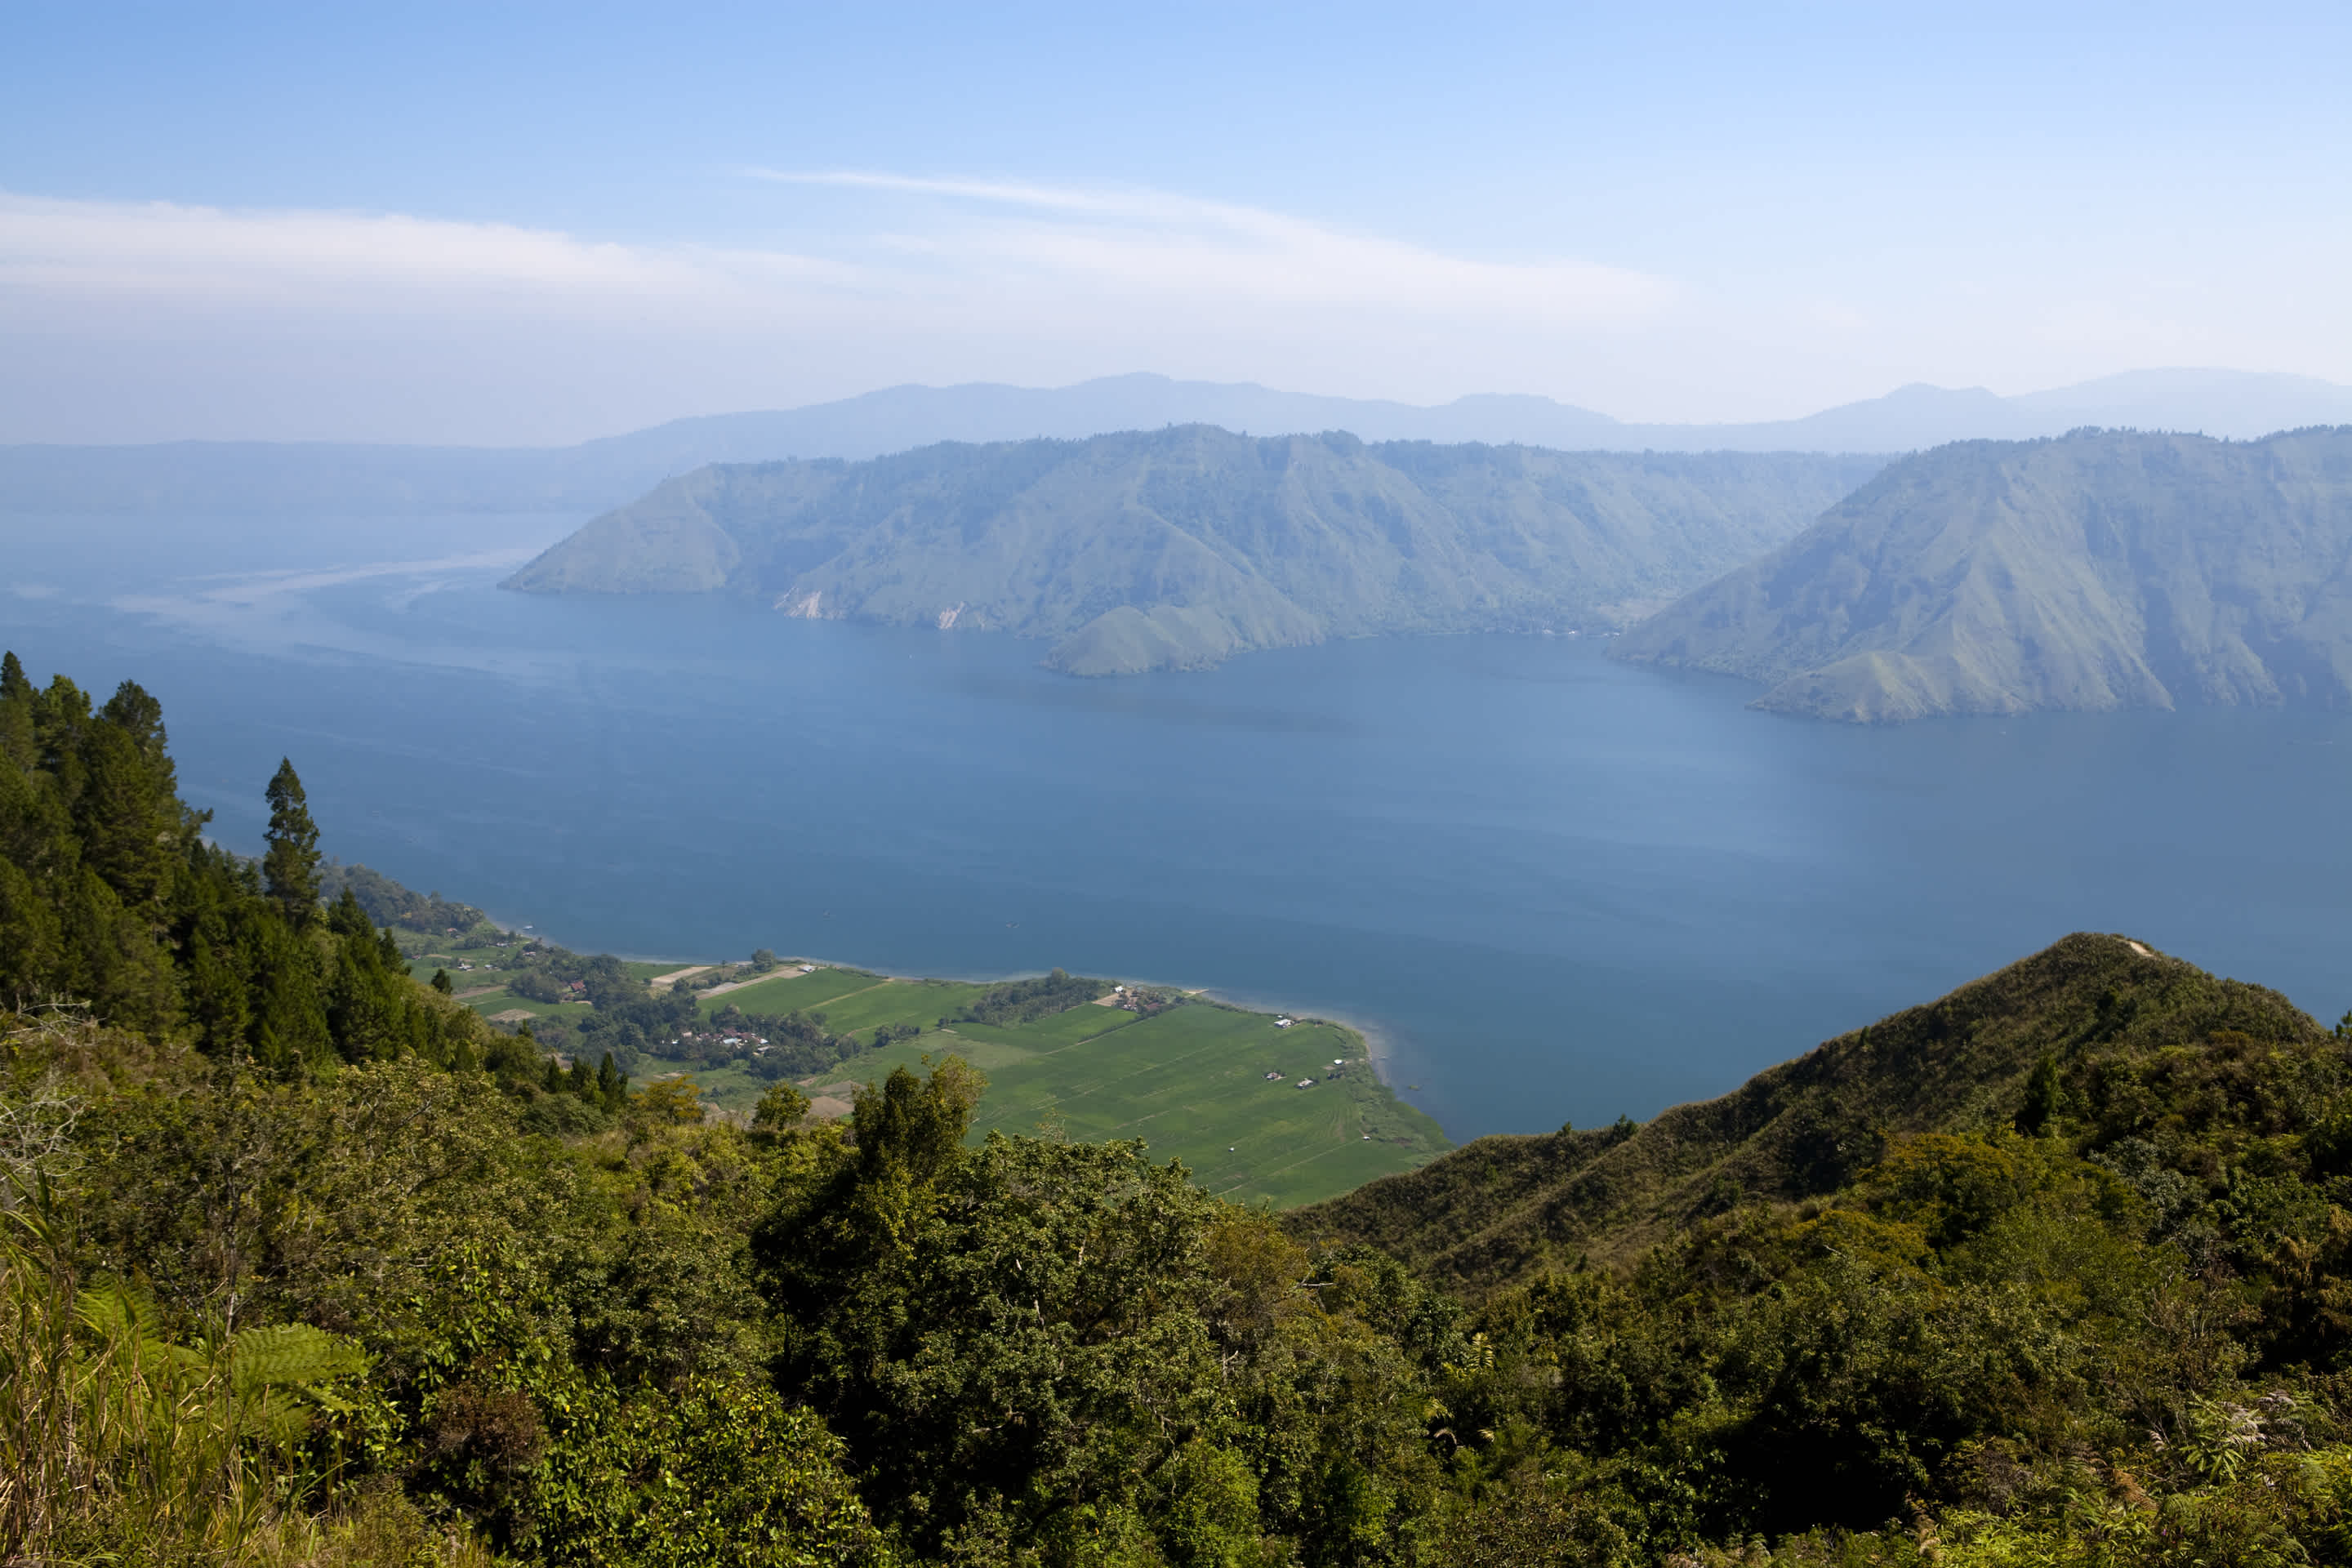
[{"x": 1212, "y": 1086}]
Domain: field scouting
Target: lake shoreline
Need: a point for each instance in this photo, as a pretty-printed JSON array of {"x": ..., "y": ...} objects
[{"x": 1379, "y": 1049}]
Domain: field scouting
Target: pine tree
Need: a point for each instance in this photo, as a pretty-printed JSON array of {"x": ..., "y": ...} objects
[
  {"x": 442, "y": 983},
  {"x": 290, "y": 869},
  {"x": 288, "y": 1012},
  {"x": 129, "y": 814},
  {"x": 16, "y": 714}
]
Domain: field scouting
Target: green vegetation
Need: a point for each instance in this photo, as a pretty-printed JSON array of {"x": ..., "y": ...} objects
[
  {"x": 2103, "y": 570},
  {"x": 388, "y": 904},
  {"x": 1190, "y": 1081},
  {"x": 1995, "y": 1051},
  {"x": 918, "y": 1004},
  {"x": 793, "y": 992},
  {"x": 1174, "y": 548},
  {"x": 2056, "y": 1270}
]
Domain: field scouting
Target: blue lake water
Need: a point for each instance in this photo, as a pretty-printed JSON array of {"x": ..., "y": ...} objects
[{"x": 1555, "y": 887}]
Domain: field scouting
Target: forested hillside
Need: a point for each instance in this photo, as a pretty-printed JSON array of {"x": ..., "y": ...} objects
[
  {"x": 1178, "y": 547},
  {"x": 300, "y": 1265},
  {"x": 2106, "y": 568}
]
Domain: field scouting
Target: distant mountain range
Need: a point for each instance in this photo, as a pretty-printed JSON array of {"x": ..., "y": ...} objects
[
  {"x": 2096, "y": 570},
  {"x": 199, "y": 477},
  {"x": 1174, "y": 548}
]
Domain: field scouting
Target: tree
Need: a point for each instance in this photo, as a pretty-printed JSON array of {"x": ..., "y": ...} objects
[
  {"x": 290, "y": 869},
  {"x": 781, "y": 1110},
  {"x": 2044, "y": 1096},
  {"x": 17, "y": 699},
  {"x": 441, "y": 981},
  {"x": 911, "y": 1128},
  {"x": 672, "y": 1102}
]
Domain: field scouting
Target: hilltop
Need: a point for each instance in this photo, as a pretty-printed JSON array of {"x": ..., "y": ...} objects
[
  {"x": 1176, "y": 548},
  {"x": 2099, "y": 1008},
  {"x": 2102, "y": 569}
]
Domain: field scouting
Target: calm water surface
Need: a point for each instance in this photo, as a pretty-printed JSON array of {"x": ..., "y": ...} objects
[{"x": 1557, "y": 887}]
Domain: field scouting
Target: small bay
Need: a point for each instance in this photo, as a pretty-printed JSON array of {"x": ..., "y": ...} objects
[{"x": 1552, "y": 887}]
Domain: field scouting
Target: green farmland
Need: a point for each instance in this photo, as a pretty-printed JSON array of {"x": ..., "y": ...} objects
[
  {"x": 1191, "y": 1082},
  {"x": 792, "y": 993}
]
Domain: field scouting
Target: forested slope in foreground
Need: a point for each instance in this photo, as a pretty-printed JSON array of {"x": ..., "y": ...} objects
[
  {"x": 2105, "y": 569},
  {"x": 1176, "y": 548},
  {"x": 303, "y": 1265}
]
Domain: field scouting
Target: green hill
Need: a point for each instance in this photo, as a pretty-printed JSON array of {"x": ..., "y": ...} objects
[
  {"x": 2101, "y": 570},
  {"x": 1175, "y": 548},
  {"x": 2102, "y": 1008}
]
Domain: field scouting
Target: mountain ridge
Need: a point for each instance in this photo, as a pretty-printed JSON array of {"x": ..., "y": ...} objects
[
  {"x": 2100, "y": 570},
  {"x": 610, "y": 470},
  {"x": 1174, "y": 548},
  {"x": 1506, "y": 1208}
]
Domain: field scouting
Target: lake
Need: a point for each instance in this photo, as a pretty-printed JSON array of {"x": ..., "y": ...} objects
[{"x": 1553, "y": 888}]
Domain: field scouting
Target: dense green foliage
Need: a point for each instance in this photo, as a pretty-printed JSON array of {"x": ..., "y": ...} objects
[
  {"x": 2055, "y": 1270},
  {"x": 1177, "y": 547},
  {"x": 1026, "y": 1001},
  {"x": 2107, "y": 569},
  {"x": 109, "y": 896},
  {"x": 1985, "y": 1056},
  {"x": 388, "y": 904}
]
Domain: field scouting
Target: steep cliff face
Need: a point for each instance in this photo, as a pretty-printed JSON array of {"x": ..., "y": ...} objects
[
  {"x": 1177, "y": 548},
  {"x": 2101, "y": 570}
]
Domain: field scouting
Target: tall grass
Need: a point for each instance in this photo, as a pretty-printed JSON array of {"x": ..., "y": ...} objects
[{"x": 118, "y": 1444}]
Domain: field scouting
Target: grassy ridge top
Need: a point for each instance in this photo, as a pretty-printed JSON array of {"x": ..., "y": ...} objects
[
  {"x": 1175, "y": 548},
  {"x": 2105, "y": 569},
  {"x": 1504, "y": 1208}
]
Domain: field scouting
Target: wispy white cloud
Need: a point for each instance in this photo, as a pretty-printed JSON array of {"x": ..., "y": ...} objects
[
  {"x": 167, "y": 247},
  {"x": 157, "y": 320},
  {"x": 1143, "y": 245},
  {"x": 1161, "y": 244}
]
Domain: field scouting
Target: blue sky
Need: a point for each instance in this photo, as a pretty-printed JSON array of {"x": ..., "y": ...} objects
[{"x": 541, "y": 223}]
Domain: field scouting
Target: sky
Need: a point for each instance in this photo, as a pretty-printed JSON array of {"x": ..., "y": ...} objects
[{"x": 523, "y": 224}]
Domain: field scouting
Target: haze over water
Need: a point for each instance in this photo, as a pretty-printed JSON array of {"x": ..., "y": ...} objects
[{"x": 1556, "y": 888}]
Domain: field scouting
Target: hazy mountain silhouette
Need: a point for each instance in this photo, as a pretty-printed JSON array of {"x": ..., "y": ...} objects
[{"x": 233, "y": 476}]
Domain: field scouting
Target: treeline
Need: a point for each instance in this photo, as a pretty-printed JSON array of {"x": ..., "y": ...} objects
[
  {"x": 110, "y": 895},
  {"x": 368, "y": 1306},
  {"x": 1026, "y": 1001},
  {"x": 387, "y": 903},
  {"x": 112, "y": 900}
]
